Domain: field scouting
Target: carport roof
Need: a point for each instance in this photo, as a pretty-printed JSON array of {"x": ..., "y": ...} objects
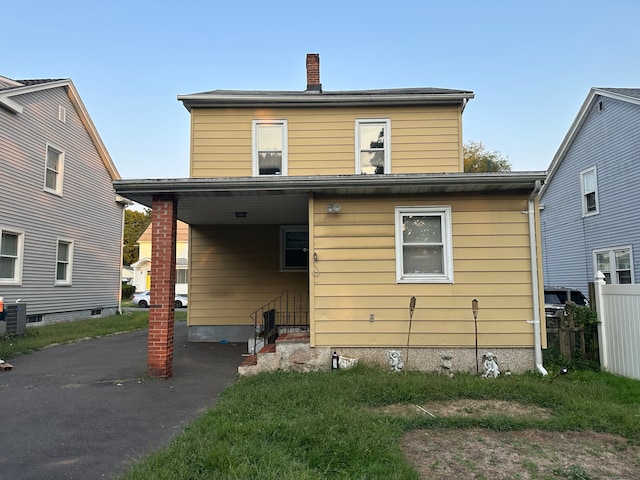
[{"x": 280, "y": 200}]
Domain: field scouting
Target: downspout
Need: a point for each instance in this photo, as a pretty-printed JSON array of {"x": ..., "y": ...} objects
[{"x": 534, "y": 279}]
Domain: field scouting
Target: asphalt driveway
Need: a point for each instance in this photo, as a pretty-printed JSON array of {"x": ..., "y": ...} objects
[{"x": 86, "y": 410}]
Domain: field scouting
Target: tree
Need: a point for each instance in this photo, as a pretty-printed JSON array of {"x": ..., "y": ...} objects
[
  {"x": 478, "y": 159},
  {"x": 135, "y": 223}
]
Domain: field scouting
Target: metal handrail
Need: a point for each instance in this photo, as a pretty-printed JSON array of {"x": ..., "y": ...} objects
[{"x": 287, "y": 313}]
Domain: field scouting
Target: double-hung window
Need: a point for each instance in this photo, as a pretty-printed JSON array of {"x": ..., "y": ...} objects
[
  {"x": 182, "y": 275},
  {"x": 54, "y": 166},
  {"x": 269, "y": 147},
  {"x": 373, "y": 148},
  {"x": 11, "y": 253},
  {"x": 64, "y": 262},
  {"x": 589, "y": 187},
  {"x": 294, "y": 248},
  {"x": 424, "y": 245},
  {"x": 615, "y": 264}
]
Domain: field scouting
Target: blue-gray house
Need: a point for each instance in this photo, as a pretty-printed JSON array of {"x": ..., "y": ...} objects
[
  {"x": 590, "y": 219},
  {"x": 60, "y": 217}
]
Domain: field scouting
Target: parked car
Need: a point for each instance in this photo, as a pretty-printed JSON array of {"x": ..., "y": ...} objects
[
  {"x": 143, "y": 299},
  {"x": 556, "y": 298}
]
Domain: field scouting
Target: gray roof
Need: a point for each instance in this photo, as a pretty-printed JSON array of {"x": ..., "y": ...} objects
[
  {"x": 626, "y": 92},
  {"x": 28, "y": 83},
  {"x": 393, "y": 96}
]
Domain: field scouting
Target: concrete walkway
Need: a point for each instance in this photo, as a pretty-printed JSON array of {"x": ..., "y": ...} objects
[{"x": 87, "y": 411}]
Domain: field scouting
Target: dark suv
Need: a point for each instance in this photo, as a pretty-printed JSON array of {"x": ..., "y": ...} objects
[{"x": 555, "y": 298}]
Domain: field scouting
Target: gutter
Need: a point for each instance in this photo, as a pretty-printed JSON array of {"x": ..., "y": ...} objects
[{"x": 534, "y": 280}]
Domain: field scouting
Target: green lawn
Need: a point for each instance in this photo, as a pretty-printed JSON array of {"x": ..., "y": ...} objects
[{"x": 323, "y": 425}]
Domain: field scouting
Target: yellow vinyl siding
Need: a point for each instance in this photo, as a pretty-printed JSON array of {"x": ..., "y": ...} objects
[
  {"x": 235, "y": 271},
  {"x": 321, "y": 140},
  {"x": 354, "y": 275}
]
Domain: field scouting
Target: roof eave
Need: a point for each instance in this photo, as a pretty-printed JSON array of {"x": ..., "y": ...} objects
[
  {"x": 497, "y": 181},
  {"x": 207, "y": 100}
]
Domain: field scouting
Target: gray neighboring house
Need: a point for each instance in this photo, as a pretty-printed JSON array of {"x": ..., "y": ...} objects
[
  {"x": 590, "y": 219},
  {"x": 61, "y": 222}
]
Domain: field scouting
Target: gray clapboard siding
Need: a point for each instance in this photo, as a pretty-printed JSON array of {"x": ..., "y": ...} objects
[
  {"x": 86, "y": 213},
  {"x": 609, "y": 139}
]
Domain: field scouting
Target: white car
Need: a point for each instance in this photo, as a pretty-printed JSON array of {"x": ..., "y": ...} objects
[{"x": 143, "y": 299}]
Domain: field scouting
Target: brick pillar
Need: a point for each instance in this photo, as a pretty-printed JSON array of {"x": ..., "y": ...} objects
[{"x": 163, "y": 281}]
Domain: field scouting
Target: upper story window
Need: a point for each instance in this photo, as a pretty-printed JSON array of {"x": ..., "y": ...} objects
[
  {"x": 589, "y": 186},
  {"x": 373, "y": 148},
  {"x": 294, "y": 248},
  {"x": 11, "y": 248},
  {"x": 615, "y": 264},
  {"x": 54, "y": 166},
  {"x": 269, "y": 147},
  {"x": 424, "y": 245},
  {"x": 64, "y": 262}
]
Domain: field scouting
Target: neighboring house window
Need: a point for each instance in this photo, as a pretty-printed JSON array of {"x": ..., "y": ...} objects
[
  {"x": 53, "y": 170},
  {"x": 615, "y": 264},
  {"x": 589, "y": 184},
  {"x": 424, "y": 245},
  {"x": 181, "y": 275},
  {"x": 294, "y": 248},
  {"x": 372, "y": 146},
  {"x": 11, "y": 250},
  {"x": 269, "y": 147},
  {"x": 64, "y": 262}
]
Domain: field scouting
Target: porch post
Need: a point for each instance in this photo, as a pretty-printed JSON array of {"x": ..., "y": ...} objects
[{"x": 163, "y": 280}]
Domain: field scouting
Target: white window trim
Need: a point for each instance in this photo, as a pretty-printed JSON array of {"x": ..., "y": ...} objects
[
  {"x": 283, "y": 230},
  {"x": 68, "y": 280},
  {"x": 17, "y": 279},
  {"x": 586, "y": 213},
  {"x": 447, "y": 238},
  {"x": 387, "y": 142},
  {"x": 60, "y": 172},
  {"x": 62, "y": 114},
  {"x": 254, "y": 146},
  {"x": 611, "y": 251}
]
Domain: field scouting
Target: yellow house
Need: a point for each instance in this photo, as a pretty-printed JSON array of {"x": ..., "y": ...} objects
[
  {"x": 142, "y": 268},
  {"x": 328, "y": 212}
]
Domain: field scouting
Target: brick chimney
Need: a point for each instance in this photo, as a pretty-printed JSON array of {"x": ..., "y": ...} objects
[{"x": 313, "y": 72}]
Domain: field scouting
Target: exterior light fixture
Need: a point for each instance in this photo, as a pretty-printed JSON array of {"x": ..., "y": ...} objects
[
  {"x": 333, "y": 208},
  {"x": 241, "y": 214}
]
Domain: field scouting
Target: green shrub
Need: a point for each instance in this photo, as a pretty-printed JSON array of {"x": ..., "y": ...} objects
[{"x": 128, "y": 291}]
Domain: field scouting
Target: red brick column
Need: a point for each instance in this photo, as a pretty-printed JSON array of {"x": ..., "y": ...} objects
[{"x": 163, "y": 281}]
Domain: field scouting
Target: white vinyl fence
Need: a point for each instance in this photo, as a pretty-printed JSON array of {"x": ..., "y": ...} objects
[{"x": 619, "y": 327}]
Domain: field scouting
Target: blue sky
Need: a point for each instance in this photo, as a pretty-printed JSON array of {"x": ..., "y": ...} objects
[{"x": 530, "y": 64}]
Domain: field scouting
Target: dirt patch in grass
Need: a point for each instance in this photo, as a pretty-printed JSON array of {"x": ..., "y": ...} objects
[
  {"x": 465, "y": 408},
  {"x": 479, "y": 453},
  {"x": 528, "y": 454}
]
